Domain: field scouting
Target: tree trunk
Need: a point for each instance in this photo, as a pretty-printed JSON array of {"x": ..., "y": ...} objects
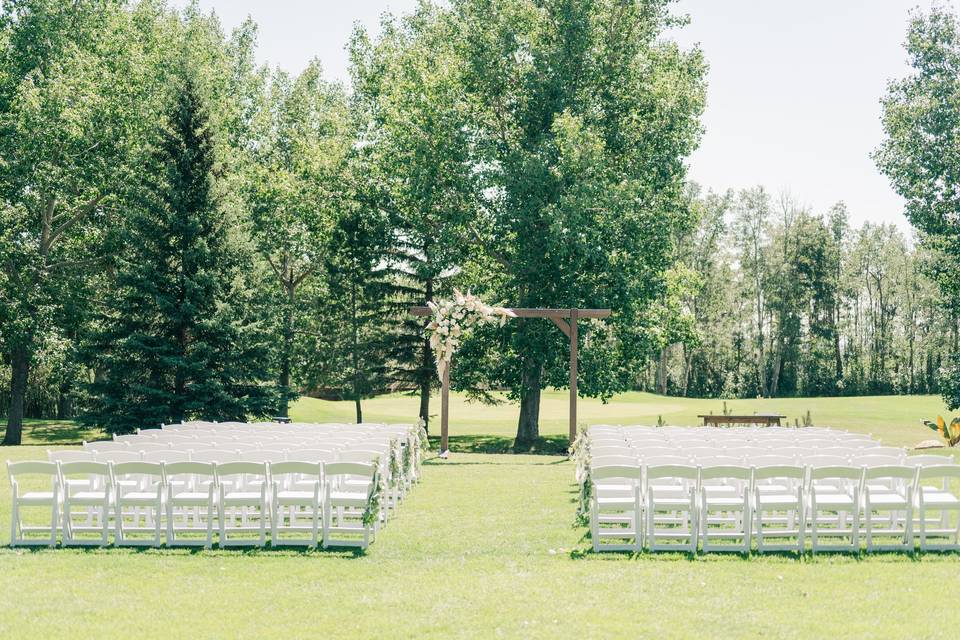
[
  {"x": 356, "y": 403},
  {"x": 662, "y": 372},
  {"x": 528, "y": 427},
  {"x": 426, "y": 365},
  {"x": 287, "y": 350},
  {"x": 20, "y": 369},
  {"x": 64, "y": 402}
]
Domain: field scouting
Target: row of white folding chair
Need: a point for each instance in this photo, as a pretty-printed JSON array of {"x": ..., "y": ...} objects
[
  {"x": 881, "y": 499},
  {"x": 190, "y": 496}
]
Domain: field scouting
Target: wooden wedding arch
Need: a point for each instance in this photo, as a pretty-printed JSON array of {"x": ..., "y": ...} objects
[{"x": 565, "y": 319}]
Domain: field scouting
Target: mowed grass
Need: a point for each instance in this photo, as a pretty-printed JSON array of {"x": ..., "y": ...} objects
[
  {"x": 894, "y": 419},
  {"x": 486, "y": 546}
]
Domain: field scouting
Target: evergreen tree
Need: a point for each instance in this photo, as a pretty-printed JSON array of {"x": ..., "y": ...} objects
[{"x": 176, "y": 341}]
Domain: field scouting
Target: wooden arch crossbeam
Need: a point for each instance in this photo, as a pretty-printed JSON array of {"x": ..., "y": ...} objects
[{"x": 565, "y": 319}]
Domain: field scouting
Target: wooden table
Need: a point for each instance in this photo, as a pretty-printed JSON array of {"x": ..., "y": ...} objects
[{"x": 764, "y": 419}]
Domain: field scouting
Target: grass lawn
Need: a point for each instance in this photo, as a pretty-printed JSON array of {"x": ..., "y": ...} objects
[
  {"x": 894, "y": 419},
  {"x": 486, "y": 546}
]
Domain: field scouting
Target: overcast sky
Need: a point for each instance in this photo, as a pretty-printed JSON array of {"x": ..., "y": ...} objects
[{"x": 794, "y": 86}]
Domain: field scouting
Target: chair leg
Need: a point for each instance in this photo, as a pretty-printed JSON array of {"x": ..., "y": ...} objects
[{"x": 210, "y": 516}]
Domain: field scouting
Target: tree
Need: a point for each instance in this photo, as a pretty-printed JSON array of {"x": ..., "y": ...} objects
[
  {"x": 291, "y": 183},
  {"x": 921, "y": 152},
  {"x": 581, "y": 117},
  {"x": 177, "y": 341},
  {"x": 73, "y": 92},
  {"x": 407, "y": 92}
]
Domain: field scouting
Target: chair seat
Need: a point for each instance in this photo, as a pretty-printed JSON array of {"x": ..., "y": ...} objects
[
  {"x": 723, "y": 501},
  {"x": 888, "y": 500},
  {"x": 190, "y": 499},
  {"x": 772, "y": 488},
  {"x": 831, "y": 499},
  {"x": 615, "y": 502},
  {"x": 295, "y": 497},
  {"x": 777, "y": 501},
  {"x": 88, "y": 497},
  {"x": 940, "y": 498},
  {"x": 241, "y": 497},
  {"x": 36, "y": 497},
  {"x": 668, "y": 501},
  {"x": 138, "y": 497},
  {"x": 348, "y": 499}
]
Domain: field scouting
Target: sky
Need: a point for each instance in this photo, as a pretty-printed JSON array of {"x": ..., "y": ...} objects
[{"x": 794, "y": 92}]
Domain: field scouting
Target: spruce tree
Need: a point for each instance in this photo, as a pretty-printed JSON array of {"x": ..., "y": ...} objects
[{"x": 176, "y": 341}]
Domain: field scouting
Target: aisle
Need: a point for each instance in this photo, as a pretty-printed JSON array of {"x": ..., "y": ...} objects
[{"x": 476, "y": 505}]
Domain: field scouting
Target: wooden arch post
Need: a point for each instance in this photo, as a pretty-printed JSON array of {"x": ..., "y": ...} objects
[{"x": 565, "y": 319}]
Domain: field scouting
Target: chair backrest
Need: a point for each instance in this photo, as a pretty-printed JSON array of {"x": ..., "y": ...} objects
[
  {"x": 84, "y": 468},
  {"x": 360, "y": 455},
  {"x": 147, "y": 470},
  {"x": 770, "y": 460},
  {"x": 116, "y": 456},
  {"x": 31, "y": 467},
  {"x": 263, "y": 455},
  {"x": 678, "y": 471},
  {"x": 312, "y": 455},
  {"x": 227, "y": 469},
  {"x": 939, "y": 471},
  {"x": 900, "y": 472},
  {"x": 876, "y": 461},
  {"x": 145, "y": 446},
  {"x": 665, "y": 460},
  {"x": 887, "y": 451},
  {"x": 624, "y": 461},
  {"x": 107, "y": 445},
  {"x": 189, "y": 469},
  {"x": 843, "y": 472},
  {"x": 166, "y": 455},
  {"x": 720, "y": 460},
  {"x": 606, "y": 450},
  {"x": 214, "y": 455},
  {"x": 313, "y": 469},
  {"x": 825, "y": 461},
  {"x": 362, "y": 469},
  {"x": 926, "y": 460},
  {"x": 769, "y": 472},
  {"x": 69, "y": 456},
  {"x": 724, "y": 472},
  {"x": 602, "y": 472}
]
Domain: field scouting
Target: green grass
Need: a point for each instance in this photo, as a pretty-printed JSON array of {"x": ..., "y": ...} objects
[
  {"x": 895, "y": 419},
  {"x": 486, "y": 546}
]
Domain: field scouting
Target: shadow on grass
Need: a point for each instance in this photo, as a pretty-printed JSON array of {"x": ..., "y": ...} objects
[
  {"x": 548, "y": 445},
  {"x": 52, "y": 432},
  {"x": 268, "y": 551}
]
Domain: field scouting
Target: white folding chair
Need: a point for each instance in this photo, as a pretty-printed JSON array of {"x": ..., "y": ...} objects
[
  {"x": 106, "y": 445},
  {"x": 834, "y": 510},
  {"x": 243, "y": 503},
  {"x": 778, "y": 500},
  {"x": 34, "y": 484},
  {"x": 289, "y": 506},
  {"x": 191, "y": 503},
  {"x": 888, "y": 506},
  {"x": 94, "y": 498},
  {"x": 615, "y": 509},
  {"x": 937, "y": 505},
  {"x": 670, "y": 494},
  {"x": 724, "y": 519},
  {"x": 138, "y": 502},
  {"x": 350, "y": 509}
]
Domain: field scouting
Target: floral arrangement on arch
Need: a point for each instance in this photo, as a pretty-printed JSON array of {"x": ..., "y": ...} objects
[{"x": 452, "y": 321}]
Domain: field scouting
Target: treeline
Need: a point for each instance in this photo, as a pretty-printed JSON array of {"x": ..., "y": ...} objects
[
  {"x": 786, "y": 302},
  {"x": 187, "y": 234}
]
